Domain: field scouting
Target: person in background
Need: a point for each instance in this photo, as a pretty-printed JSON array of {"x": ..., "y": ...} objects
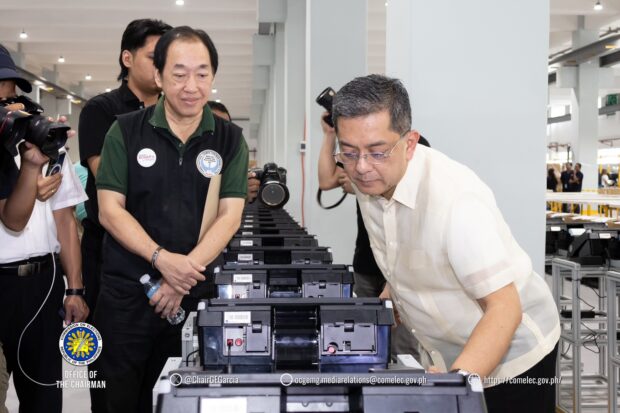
[
  {"x": 32, "y": 287},
  {"x": 19, "y": 187},
  {"x": 220, "y": 110},
  {"x": 82, "y": 174},
  {"x": 606, "y": 182},
  {"x": 576, "y": 180},
  {"x": 552, "y": 181},
  {"x": 566, "y": 176},
  {"x": 464, "y": 286}
]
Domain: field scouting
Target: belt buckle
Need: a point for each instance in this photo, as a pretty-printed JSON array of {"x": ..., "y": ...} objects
[{"x": 27, "y": 269}]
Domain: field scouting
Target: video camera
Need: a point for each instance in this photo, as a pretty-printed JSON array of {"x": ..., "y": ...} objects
[
  {"x": 30, "y": 125},
  {"x": 272, "y": 192}
]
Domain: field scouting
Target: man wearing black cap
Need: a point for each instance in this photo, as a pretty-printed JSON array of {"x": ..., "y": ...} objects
[{"x": 31, "y": 283}]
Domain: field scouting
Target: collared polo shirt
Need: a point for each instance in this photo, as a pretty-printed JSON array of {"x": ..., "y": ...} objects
[
  {"x": 112, "y": 174},
  {"x": 442, "y": 244}
]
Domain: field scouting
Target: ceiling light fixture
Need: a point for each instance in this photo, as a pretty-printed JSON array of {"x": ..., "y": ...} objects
[
  {"x": 218, "y": 100},
  {"x": 108, "y": 89},
  {"x": 23, "y": 34},
  {"x": 213, "y": 90},
  {"x": 38, "y": 83},
  {"x": 88, "y": 77},
  {"x": 69, "y": 97},
  {"x": 180, "y": 2},
  {"x": 61, "y": 59},
  {"x": 598, "y": 6}
]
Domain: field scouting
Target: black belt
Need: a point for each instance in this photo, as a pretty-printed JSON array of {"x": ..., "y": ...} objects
[{"x": 27, "y": 267}]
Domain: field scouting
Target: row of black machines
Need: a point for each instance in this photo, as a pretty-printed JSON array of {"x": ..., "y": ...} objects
[{"x": 286, "y": 335}]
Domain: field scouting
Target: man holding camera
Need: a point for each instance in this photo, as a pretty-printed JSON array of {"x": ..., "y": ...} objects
[
  {"x": 31, "y": 283},
  {"x": 463, "y": 286},
  {"x": 172, "y": 185}
]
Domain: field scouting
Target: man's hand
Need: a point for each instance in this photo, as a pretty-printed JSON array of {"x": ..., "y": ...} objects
[
  {"x": 166, "y": 300},
  {"x": 327, "y": 130},
  {"x": 345, "y": 183},
  {"x": 47, "y": 186},
  {"x": 15, "y": 106},
  {"x": 31, "y": 156},
  {"x": 76, "y": 309},
  {"x": 180, "y": 271},
  {"x": 33, "y": 159},
  {"x": 253, "y": 186},
  {"x": 385, "y": 295}
]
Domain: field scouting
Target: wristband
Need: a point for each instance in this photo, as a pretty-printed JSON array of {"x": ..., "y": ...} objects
[
  {"x": 75, "y": 291},
  {"x": 155, "y": 256}
]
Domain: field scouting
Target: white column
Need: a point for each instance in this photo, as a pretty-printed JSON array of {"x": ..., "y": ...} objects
[
  {"x": 335, "y": 53},
  {"x": 321, "y": 43},
  {"x": 294, "y": 99},
  {"x": 478, "y": 88},
  {"x": 585, "y": 109}
]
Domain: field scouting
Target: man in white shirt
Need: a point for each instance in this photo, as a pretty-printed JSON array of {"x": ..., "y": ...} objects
[
  {"x": 32, "y": 287},
  {"x": 458, "y": 278}
]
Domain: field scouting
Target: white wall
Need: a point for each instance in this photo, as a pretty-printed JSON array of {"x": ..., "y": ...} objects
[
  {"x": 336, "y": 52},
  {"x": 478, "y": 87},
  {"x": 307, "y": 59}
]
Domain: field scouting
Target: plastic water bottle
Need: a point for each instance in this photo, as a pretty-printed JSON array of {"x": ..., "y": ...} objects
[{"x": 151, "y": 287}]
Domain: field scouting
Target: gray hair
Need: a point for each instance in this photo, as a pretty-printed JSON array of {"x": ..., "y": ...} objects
[{"x": 371, "y": 94}]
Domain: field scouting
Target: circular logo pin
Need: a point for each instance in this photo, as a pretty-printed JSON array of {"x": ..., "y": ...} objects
[
  {"x": 147, "y": 157},
  {"x": 80, "y": 344},
  {"x": 209, "y": 163}
]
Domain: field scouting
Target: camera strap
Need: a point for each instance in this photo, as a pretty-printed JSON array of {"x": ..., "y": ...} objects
[{"x": 318, "y": 199}]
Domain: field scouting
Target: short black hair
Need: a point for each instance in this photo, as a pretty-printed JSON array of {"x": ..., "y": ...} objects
[
  {"x": 371, "y": 94},
  {"x": 183, "y": 33},
  {"x": 219, "y": 107},
  {"x": 134, "y": 37}
]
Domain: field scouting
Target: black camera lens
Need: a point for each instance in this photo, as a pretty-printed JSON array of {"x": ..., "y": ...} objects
[
  {"x": 48, "y": 136},
  {"x": 18, "y": 125},
  {"x": 274, "y": 195},
  {"x": 273, "y": 191}
]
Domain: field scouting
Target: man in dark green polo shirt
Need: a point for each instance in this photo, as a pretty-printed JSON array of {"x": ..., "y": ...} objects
[{"x": 171, "y": 185}]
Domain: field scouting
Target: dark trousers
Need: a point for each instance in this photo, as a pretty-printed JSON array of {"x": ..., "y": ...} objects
[
  {"x": 137, "y": 343},
  {"x": 20, "y": 299},
  {"x": 530, "y": 398},
  {"x": 92, "y": 245}
]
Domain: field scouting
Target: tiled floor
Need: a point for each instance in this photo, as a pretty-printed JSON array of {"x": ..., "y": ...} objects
[{"x": 73, "y": 400}]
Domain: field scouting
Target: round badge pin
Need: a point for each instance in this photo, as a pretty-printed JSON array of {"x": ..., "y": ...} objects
[
  {"x": 80, "y": 344},
  {"x": 209, "y": 163},
  {"x": 146, "y": 157}
]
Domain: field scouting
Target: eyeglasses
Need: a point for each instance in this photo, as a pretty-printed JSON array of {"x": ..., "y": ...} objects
[{"x": 372, "y": 157}]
